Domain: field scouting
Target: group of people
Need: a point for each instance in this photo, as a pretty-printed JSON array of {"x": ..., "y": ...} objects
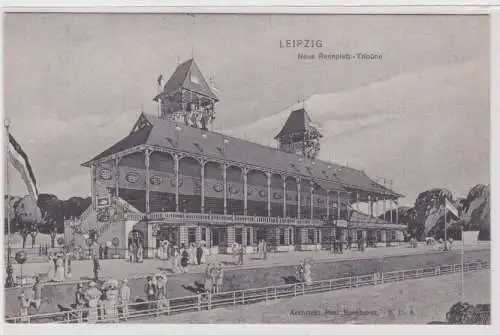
[
  {"x": 136, "y": 251},
  {"x": 104, "y": 304},
  {"x": 59, "y": 266},
  {"x": 238, "y": 252},
  {"x": 155, "y": 289},
  {"x": 262, "y": 249},
  {"x": 184, "y": 256},
  {"x": 214, "y": 278}
]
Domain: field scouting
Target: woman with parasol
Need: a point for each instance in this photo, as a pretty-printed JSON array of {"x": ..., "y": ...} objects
[{"x": 109, "y": 304}]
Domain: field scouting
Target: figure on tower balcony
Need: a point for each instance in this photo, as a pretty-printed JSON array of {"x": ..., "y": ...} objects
[
  {"x": 187, "y": 97},
  {"x": 299, "y": 135}
]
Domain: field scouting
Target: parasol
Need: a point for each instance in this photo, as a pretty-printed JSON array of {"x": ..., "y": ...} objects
[
  {"x": 110, "y": 284},
  {"x": 160, "y": 274},
  {"x": 309, "y": 260}
]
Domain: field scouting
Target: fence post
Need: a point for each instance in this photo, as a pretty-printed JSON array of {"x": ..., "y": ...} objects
[
  {"x": 330, "y": 282},
  {"x": 234, "y": 298},
  {"x": 266, "y": 295},
  {"x": 402, "y": 275},
  {"x": 242, "y": 297},
  {"x": 303, "y": 288},
  {"x": 478, "y": 266},
  {"x": 381, "y": 277},
  {"x": 209, "y": 301},
  {"x": 436, "y": 271},
  {"x": 374, "y": 279},
  {"x": 199, "y": 302},
  {"x": 275, "y": 296},
  {"x": 295, "y": 289},
  {"x": 350, "y": 282}
]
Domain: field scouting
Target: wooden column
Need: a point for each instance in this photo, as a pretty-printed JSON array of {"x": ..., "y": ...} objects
[
  {"x": 147, "y": 153},
  {"x": 311, "y": 184},
  {"x": 245, "y": 190},
  {"x": 357, "y": 200},
  {"x": 284, "y": 195},
  {"x": 348, "y": 207},
  {"x": 384, "y": 207},
  {"x": 327, "y": 205},
  {"x": 298, "y": 197},
  {"x": 268, "y": 174},
  {"x": 93, "y": 185},
  {"x": 397, "y": 211},
  {"x": 117, "y": 176},
  {"x": 224, "y": 180},
  {"x": 176, "y": 168},
  {"x": 202, "y": 165},
  {"x": 338, "y": 205},
  {"x": 370, "y": 206},
  {"x": 390, "y": 209}
]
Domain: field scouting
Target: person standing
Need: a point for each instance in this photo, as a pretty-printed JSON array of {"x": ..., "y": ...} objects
[
  {"x": 175, "y": 259},
  {"x": 79, "y": 302},
  {"x": 140, "y": 251},
  {"x": 242, "y": 254},
  {"x": 51, "y": 271},
  {"x": 106, "y": 250},
  {"x": 192, "y": 253},
  {"x": 264, "y": 249},
  {"x": 349, "y": 241},
  {"x": 150, "y": 290},
  {"x": 101, "y": 251},
  {"x": 300, "y": 272},
  {"x": 219, "y": 279},
  {"x": 124, "y": 297},
  {"x": 59, "y": 268},
  {"x": 199, "y": 254},
  {"x": 307, "y": 273},
  {"x": 97, "y": 268},
  {"x": 184, "y": 259},
  {"x": 24, "y": 305},
  {"x": 161, "y": 294},
  {"x": 93, "y": 295},
  {"x": 37, "y": 293}
]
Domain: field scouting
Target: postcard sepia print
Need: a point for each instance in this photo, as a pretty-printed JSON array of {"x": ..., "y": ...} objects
[{"x": 230, "y": 168}]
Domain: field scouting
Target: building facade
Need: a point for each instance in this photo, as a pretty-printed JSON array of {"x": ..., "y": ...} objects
[{"x": 173, "y": 179}]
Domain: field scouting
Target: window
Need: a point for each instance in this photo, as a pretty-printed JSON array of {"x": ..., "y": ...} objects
[
  {"x": 248, "y": 236},
  {"x": 191, "y": 235},
  {"x": 215, "y": 237},
  {"x": 238, "y": 232},
  {"x": 393, "y": 235},
  {"x": 290, "y": 236},
  {"x": 310, "y": 236},
  {"x": 282, "y": 236},
  {"x": 379, "y": 236},
  {"x": 203, "y": 234}
]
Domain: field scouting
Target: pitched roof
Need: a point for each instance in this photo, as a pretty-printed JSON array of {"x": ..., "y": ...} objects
[
  {"x": 188, "y": 76},
  {"x": 298, "y": 122},
  {"x": 163, "y": 133}
]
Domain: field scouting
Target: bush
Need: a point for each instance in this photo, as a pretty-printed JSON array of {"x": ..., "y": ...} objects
[{"x": 465, "y": 313}]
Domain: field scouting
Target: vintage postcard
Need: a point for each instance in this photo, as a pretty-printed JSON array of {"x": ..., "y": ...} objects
[{"x": 229, "y": 168}]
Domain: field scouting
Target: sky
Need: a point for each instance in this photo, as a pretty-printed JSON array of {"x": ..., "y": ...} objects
[{"x": 420, "y": 115}]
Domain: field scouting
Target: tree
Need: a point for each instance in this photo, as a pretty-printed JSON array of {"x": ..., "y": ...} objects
[
  {"x": 28, "y": 218},
  {"x": 476, "y": 210},
  {"x": 75, "y": 206},
  {"x": 52, "y": 214},
  {"x": 427, "y": 210}
]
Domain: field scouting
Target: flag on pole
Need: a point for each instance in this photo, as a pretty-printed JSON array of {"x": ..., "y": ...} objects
[
  {"x": 19, "y": 160},
  {"x": 450, "y": 207}
]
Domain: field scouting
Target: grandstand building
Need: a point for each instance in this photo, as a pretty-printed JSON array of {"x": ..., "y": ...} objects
[{"x": 172, "y": 178}]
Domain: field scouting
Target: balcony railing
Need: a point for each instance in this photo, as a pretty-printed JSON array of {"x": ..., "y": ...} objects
[{"x": 247, "y": 219}]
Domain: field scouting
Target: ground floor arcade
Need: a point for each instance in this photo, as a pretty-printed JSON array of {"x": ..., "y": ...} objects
[{"x": 279, "y": 238}]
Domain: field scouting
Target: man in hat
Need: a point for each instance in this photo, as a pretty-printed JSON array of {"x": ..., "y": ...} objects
[
  {"x": 150, "y": 290},
  {"x": 124, "y": 296},
  {"x": 161, "y": 293},
  {"x": 92, "y": 296},
  {"x": 79, "y": 301}
]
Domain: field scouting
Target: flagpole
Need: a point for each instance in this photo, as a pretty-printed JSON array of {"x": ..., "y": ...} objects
[
  {"x": 445, "y": 228},
  {"x": 9, "y": 281},
  {"x": 462, "y": 293}
]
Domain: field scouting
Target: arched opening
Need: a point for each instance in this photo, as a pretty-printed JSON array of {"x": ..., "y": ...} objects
[
  {"x": 162, "y": 182},
  {"x": 214, "y": 188},
  {"x": 189, "y": 185},
  {"x": 235, "y": 200},
  {"x": 291, "y": 197},
  {"x": 276, "y": 196},
  {"x": 257, "y": 193}
]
